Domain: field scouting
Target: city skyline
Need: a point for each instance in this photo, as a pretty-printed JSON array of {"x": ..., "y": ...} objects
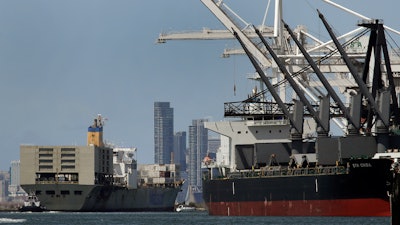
[{"x": 64, "y": 62}]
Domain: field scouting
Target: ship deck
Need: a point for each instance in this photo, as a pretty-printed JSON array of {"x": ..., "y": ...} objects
[{"x": 280, "y": 172}]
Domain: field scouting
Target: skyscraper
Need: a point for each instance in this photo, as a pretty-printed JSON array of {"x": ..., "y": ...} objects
[
  {"x": 180, "y": 158},
  {"x": 14, "y": 186},
  {"x": 4, "y": 182},
  {"x": 198, "y": 143},
  {"x": 163, "y": 132},
  {"x": 14, "y": 173},
  {"x": 180, "y": 149}
]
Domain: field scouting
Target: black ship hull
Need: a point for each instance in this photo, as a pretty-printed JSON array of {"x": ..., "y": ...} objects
[
  {"x": 98, "y": 198},
  {"x": 32, "y": 209},
  {"x": 358, "y": 190}
]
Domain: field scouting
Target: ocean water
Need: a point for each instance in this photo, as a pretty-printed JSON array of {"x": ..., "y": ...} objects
[{"x": 170, "y": 218}]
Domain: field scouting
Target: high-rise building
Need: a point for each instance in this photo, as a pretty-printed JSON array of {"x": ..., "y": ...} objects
[
  {"x": 163, "y": 132},
  {"x": 180, "y": 149},
  {"x": 14, "y": 173},
  {"x": 198, "y": 143},
  {"x": 14, "y": 186},
  {"x": 4, "y": 182}
]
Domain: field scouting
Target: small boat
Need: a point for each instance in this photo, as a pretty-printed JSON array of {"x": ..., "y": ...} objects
[
  {"x": 32, "y": 204},
  {"x": 185, "y": 208}
]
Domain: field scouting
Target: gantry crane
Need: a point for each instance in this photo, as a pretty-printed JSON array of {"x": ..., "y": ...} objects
[{"x": 293, "y": 57}]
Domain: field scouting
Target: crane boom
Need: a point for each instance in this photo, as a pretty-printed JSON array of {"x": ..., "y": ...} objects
[
  {"x": 298, "y": 126},
  {"x": 363, "y": 87},
  {"x": 323, "y": 124},
  {"x": 322, "y": 78},
  {"x": 229, "y": 24}
]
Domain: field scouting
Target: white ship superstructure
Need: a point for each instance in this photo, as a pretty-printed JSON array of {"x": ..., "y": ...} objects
[{"x": 125, "y": 167}]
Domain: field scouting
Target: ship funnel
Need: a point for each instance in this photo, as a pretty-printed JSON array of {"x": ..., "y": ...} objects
[{"x": 95, "y": 133}]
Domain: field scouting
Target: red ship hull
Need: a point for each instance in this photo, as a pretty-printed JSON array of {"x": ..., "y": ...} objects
[{"x": 354, "y": 207}]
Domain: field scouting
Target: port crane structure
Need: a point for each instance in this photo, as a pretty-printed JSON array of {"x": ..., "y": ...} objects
[{"x": 292, "y": 56}]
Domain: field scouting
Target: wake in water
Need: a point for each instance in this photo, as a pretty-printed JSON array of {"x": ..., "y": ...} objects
[{"x": 10, "y": 220}]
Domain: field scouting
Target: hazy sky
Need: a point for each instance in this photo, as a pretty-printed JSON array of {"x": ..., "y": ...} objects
[{"x": 63, "y": 62}]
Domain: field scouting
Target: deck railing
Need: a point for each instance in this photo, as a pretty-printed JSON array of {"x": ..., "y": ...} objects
[{"x": 278, "y": 171}]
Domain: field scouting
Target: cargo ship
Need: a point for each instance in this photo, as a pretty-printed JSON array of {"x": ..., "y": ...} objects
[
  {"x": 281, "y": 159},
  {"x": 97, "y": 177}
]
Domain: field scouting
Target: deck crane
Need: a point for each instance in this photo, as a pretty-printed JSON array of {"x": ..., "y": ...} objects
[
  {"x": 363, "y": 87},
  {"x": 270, "y": 87},
  {"x": 296, "y": 118},
  {"x": 355, "y": 123},
  {"x": 322, "y": 122}
]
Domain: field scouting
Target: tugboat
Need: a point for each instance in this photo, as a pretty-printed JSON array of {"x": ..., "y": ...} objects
[{"x": 32, "y": 204}]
